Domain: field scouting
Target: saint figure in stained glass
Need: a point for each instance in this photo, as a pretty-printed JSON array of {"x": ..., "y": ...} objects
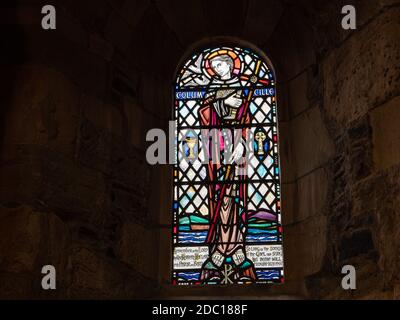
[
  {"x": 223, "y": 107},
  {"x": 226, "y": 211}
]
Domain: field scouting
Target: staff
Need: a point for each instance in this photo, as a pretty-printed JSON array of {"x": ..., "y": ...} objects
[{"x": 229, "y": 175}]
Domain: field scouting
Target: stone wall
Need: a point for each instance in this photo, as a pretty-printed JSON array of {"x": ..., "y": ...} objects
[
  {"x": 361, "y": 88},
  {"x": 76, "y": 192},
  {"x": 75, "y": 187}
]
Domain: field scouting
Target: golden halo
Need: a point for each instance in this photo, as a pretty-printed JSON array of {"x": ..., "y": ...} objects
[{"x": 236, "y": 61}]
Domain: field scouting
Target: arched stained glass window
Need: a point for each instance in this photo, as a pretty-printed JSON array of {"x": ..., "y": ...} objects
[{"x": 226, "y": 208}]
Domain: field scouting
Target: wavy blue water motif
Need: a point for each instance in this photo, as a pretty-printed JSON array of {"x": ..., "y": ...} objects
[
  {"x": 192, "y": 237},
  {"x": 200, "y": 237},
  {"x": 268, "y": 274},
  {"x": 189, "y": 276},
  {"x": 261, "y": 275},
  {"x": 260, "y": 238}
]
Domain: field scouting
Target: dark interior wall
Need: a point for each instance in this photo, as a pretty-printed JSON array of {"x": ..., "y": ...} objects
[{"x": 76, "y": 192}]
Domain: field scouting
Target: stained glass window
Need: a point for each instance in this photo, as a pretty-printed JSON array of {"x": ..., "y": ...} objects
[{"x": 226, "y": 212}]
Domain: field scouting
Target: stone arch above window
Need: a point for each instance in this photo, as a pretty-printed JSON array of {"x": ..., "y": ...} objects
[{"x": 226, "y": 208}]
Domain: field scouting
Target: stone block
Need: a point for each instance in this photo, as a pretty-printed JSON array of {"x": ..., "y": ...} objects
[
  {"x": 44, "y": 110},
  {"x": 289, "y": 203},
  {"x": 103, "y": 114},
  {"x": 310, "y": 140},
  {"x": 298, "y": 100},
  {"x": 20, "y": 176},
  {"x": 31, "y": 240},
  {"x": 359, "y": 242},
  {"x": 139, "y": 121},
  {"x": 152, "y": 96},
  {"x": 21, "y": 230},
  {"x": 49, "y": 180},
  {"x": 304, "y": 247},
  {"x": 164, "y": 255},
  {"x": 385, "y": 122},
  {"x": 73, "y": 191},
  {"x": 160, "y": 201},
  {"x": 287, "y": 161},
  {"x": 363, "y": 72},
  {"x": 138, "y": 248},
  {"x": 359, "y": 146},
  {"x": 312, "y": 193},
  {"x": 97, "y": 277},
  {"x": 282, "y": 91},
  {"x": 90, "y": 72}
]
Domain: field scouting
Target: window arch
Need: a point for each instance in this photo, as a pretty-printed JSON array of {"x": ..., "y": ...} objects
[{"x": 226, "y": 207}]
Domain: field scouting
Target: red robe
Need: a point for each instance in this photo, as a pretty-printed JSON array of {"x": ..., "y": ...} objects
[{"x": 209, "y": 117}]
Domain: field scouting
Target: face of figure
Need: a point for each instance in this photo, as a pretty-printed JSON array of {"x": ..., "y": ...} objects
[{"x": 222, "y": 68}]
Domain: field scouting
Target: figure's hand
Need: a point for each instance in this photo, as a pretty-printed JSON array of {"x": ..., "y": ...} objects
[
  {"x": 237, "y": 154},
  {"x": 233, "y": 101}
]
